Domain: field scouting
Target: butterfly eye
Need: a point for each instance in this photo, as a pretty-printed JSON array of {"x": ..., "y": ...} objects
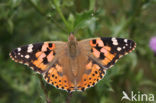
[{"x": 51, "y": 46}]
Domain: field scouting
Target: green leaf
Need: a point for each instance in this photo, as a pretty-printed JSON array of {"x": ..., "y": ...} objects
[
  {"x": 71, "y": 20},
  {"x": 139, "y": 76},
  {"x": 14, "y": 3},
  {"x": 148, "y": 83},
  {"x": 10, "y": 26},
  {"x": 84, "y": 19}
]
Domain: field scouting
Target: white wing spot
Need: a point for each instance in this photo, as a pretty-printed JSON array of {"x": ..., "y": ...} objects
[
  {"x": 124, "y": 47},
  {"x": 125, "y": 40},
  {"x": 21, "y": 55},
  {"x": 19, "y": 49},
  {"x": 27, "y": 56},
  {"x": 29, "y": 50},
  {"x": 115, "y": 42},
  {"x": 30, "y": 45},
  {"x": 116, "y": 61},
  {"x": 27, "y": 64},
  {"x": 113, "y": 39},
  {"x": 20, "y": 62},
  {"x": 111, "y": 66},
  {"x": 119, "y": 49},
  {"x": 120, "y": 56},
  {"x": 126, "y": 44}
]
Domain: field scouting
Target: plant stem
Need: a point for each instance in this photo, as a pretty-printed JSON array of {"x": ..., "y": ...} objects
[
  {"x": 36, "y": 8},
  {"x": 92, "y": 4},
  {"x": 69, "y": 98},
  {"x": 44, "y": 89},
  {"x": 61, "y": 15}
]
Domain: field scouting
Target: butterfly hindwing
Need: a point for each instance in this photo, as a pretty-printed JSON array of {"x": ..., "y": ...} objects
[
  {"x": 94, "y": 73},
  {"x": 57, "y": 78}
]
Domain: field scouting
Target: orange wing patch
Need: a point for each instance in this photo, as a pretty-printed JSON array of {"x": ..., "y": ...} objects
[
  {"x": 43, "y": 59},
  {"x": 96, "y": 53},
  {"x": 105, "y": 61},
  {"x": 107, "y": 53},
  {"x": 46, "y": 45},
  {"x": 104, "y": 54}
]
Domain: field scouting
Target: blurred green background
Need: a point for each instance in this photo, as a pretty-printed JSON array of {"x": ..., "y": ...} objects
[{"x": 29, "y": 21}]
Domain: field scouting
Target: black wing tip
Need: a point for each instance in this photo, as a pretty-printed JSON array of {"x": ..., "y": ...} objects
[
  {"x": 12, "y": 55},
  {"x": 133, "y": 44}
]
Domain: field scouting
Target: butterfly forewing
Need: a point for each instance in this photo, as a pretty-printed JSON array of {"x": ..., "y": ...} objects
[
  {"x": 37, "y": 56},
  {"x": 109, "y": 50}
]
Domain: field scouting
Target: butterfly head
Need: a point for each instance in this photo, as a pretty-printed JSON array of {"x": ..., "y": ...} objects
[{"x": 71, "y": 37}]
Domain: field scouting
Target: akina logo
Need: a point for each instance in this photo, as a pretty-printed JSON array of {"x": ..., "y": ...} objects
[{"x": 138, "y": 96}]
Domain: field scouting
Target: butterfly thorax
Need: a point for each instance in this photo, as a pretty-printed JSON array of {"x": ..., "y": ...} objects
[{"x": 72, "y": 46}]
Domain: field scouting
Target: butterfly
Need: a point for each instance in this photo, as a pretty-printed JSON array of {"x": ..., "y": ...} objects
[{"x": 73, "y": 65}]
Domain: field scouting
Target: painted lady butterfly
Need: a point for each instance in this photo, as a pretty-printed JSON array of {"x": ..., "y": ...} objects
[{"x": 73, "y": 65}]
